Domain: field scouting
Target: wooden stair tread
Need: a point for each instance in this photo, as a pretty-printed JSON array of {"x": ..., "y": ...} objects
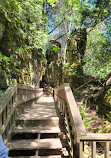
[
  {"x": 38, "y": 129},
  {"x": 52, "y": 156},
  {"x": 35, "y": 144},
  {"x": 54, "y": 121},
  {"x": 44, "y": 108},
  {"x": 37, "y": 118}
]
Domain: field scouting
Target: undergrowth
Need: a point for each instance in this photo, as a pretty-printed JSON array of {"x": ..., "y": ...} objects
[{"x": 95, "y": 123}]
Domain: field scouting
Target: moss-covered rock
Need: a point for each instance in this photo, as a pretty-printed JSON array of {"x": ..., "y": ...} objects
[
  {"x": 107, "y": 97},
  {"x": 53, "y": 74},
  {"x": 3, "y": 84}
]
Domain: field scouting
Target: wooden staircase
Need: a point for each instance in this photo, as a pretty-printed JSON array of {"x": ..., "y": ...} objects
[
  {"x": 39, "y": 132},
  {"x": 34, "y": 125}
]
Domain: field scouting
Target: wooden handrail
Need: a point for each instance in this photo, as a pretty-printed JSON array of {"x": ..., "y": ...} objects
[
  {"x": 96, "y": 137},
  {"x": 25, "y": 93},
  {"x": 15, "y": 95},
  {"x": 67, "y": 105},
  {"x": 76, "y": 120},
  {"x": 7, "y": 95},
  {"x": 7, "y": 106},
  {"x": 93, "y": 138},
  {"x": 76, "y": 131}
]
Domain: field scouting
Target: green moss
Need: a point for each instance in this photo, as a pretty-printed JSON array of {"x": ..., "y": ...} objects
[
  {"x": 3, "y": 84},
  {"x": 107, "y": 97}
]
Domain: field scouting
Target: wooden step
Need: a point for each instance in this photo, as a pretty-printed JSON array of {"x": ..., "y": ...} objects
[
  {"x": 38, "y": 129},
  {"x": 53, "y": 156},
  {"x": 53, "y": 121},
  {"x": 35, "y": 144}
]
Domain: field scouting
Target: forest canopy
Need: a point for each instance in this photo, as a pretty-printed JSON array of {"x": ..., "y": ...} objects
[
  {"x": 81, "y": 27},
  {"x": 59, "y": 41}
]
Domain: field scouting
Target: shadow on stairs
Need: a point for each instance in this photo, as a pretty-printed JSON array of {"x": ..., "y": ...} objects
[{"x": 39, "y": 132}]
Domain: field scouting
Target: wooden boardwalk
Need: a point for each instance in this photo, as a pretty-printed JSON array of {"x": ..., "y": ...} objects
[
  {"x": 32, "y": 126},
  {"x": 42, "y": 109},
  {"x": 38, "y": 128}
]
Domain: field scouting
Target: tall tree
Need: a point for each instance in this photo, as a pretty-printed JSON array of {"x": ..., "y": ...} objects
[{"x": 75, "y": 17}]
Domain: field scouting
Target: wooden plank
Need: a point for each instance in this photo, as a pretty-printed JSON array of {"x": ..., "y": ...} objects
[
  {"x": 69, "y": 131},
  {"x": 106, "y": 148},
  {"x": 53, "y": 156},
  {"x": 5, "y": 98},
  {"x": 75, "y": 116},
  {"x": 2, "y": 128},
  {"x": 96, "y": 137},
  {"x": 30, "y": 98},
  {"x": 52, "y": 143},
  {"x": 21, "y": 86},
  {"x": 60, "y": 94},
  {"x": 38, "y": 129},
  {"x": 65, "y": 93},
  {"x": 93, "y": 147},
  {"x": 81, "y": 154}
]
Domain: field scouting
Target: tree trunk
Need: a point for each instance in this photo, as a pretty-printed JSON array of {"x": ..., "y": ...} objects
[
  {"x": 43, "y": 7},
  {"x": 81, "y": 48},
  {"x": 81, "y": 44}
]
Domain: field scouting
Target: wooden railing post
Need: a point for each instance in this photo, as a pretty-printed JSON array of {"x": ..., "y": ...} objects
[
  {"x": 81, "y": 155},
  {"x": 106, "y": 148},
  {"x": 103, "y": 138},
  {"x": 93, "y": 147}
]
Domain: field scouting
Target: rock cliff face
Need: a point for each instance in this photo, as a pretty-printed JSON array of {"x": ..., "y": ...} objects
[
  {"x": 53, "y": 73},
  {"x": 76, "y": 48},
  {"x": 17, "y": 62},
  {"x": 3, "y": 84}
]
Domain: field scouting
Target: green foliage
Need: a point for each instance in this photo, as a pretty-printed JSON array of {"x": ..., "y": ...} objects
[
  {"x": 87, "y": 121},
  {"x": 109, "y": 116},
  {"x": 69, "y": 70},
  {"x": 107, "y": 97},
  {"x": 52, "y": 2},
  {"x": 53, "y": 47},
  {"x": 4, "y": 62},
  {"x": 106, "y": 127},
  {"x": 80, "y": 16},
  {"x": 97, "y": 58},
  {"x": 83, "y": 111},
  {"x": 25, "y": 33},
  {"x": 32, "y": 23},
  {"x": 4, "y": 58}
]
